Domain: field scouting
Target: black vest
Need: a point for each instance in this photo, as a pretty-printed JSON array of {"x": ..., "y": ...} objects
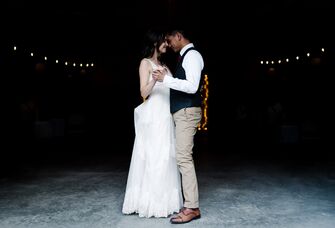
[{"x": 178, "y": 99}]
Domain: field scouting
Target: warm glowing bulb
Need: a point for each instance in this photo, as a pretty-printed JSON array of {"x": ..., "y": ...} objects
[
  {"x": 14, "y": 48},
  {"x": 31, "y": 54},
  {"x": 297, "y": 57},
  {"x": 203, "y": 124},
  {"x": 287, "y": 60},
  {"x": 56, "y": 60},
  {"x": 65, "y": 63},
  {"x": 308, "y": 54},
  {"x": 262, "y": 62},
  {"x": 45, "y": 58}
]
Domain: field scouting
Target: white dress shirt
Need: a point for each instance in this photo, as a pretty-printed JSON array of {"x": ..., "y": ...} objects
[{"x": 193, "y": 64}]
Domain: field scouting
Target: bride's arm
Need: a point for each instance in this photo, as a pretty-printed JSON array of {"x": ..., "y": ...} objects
[{"x": 146, "y": 84}]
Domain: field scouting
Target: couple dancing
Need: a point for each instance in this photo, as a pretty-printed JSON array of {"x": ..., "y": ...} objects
[{"x": 162, "y": 179}]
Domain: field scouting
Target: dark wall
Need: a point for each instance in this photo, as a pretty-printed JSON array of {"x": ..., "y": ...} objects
[{"x": 250, "y": 108}]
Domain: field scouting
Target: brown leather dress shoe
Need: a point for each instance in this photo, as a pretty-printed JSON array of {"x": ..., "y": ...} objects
[{"x": 185, "y": 216}]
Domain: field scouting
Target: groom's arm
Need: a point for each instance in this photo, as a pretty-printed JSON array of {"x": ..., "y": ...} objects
[{"x": 193, "y": 65}]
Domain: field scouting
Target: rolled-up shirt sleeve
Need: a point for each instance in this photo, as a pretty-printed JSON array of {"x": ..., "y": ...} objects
[{"x": 193, "y": 65}]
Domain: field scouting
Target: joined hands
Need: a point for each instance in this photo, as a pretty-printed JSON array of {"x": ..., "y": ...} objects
[{"x": 159, "y": 73}]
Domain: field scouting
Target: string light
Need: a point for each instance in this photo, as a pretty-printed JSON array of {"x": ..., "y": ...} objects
[
  {"x": 204, "y": 120},
  {"x": 55, "y": 60},
  {"x": 297, "y": 58}
]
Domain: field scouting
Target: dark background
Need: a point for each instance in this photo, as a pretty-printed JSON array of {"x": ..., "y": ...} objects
[{"x": 57, "y": 112}]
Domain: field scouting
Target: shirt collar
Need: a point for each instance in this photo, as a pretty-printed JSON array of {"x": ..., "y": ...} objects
[{"x": 182, "y": 51}]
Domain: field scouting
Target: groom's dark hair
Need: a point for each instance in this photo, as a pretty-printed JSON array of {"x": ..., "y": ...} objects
[{"x": 181, "y": 31}]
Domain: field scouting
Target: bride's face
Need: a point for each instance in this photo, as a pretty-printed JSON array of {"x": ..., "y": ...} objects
[{"x": 162, "y": 48}]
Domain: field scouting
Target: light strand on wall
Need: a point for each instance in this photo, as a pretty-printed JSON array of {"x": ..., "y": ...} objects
[
  {"x": 57, "y": 60},
  {"x": 296, "y": 58},
  {"x": 204, "y": 120}
]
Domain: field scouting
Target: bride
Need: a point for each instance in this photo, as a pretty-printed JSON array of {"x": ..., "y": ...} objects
[{"x": 153, "y": 185}]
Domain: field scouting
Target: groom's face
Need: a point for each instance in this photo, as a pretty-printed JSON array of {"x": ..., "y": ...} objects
[{"x": 174, "y": 42}]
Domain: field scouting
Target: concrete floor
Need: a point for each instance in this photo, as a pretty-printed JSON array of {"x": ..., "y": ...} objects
[{"x": 233, "y": 193}]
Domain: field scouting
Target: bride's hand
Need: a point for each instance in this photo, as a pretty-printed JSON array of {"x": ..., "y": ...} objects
[{"x": 155, "y": 74}]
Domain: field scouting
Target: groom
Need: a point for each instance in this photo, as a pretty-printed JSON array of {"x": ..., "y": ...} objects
[{"x": 185, "y": 106}]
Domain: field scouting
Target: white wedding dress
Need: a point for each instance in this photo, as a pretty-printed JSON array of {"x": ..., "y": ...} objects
[{"x": 153, "y": 186}]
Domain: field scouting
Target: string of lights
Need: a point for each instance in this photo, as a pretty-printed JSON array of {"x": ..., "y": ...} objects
[
  {"x": 285, "y": 60},
  {"x": 204, "y": 120},
  {"x": 57, "y": 60}
]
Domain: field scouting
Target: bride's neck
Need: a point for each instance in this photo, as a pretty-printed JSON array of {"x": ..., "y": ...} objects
[{"x": 155, "y": 60}]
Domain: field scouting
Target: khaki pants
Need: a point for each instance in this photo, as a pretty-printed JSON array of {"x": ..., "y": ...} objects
[{"x": 187, "y": 120}]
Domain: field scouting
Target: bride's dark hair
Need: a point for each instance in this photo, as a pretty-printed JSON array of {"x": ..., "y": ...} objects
[{"x": 152, "y": 40}]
